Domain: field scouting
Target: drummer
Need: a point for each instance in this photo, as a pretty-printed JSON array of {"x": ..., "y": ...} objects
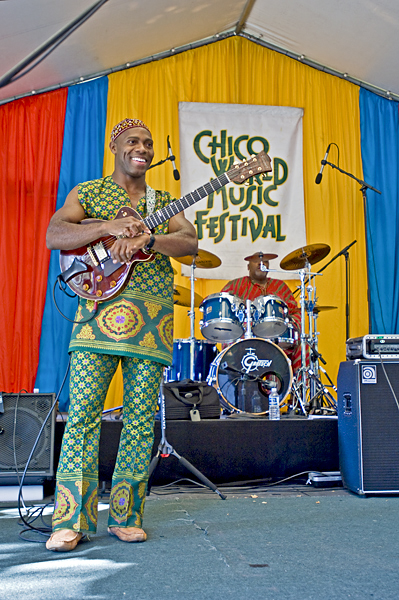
[{"x": 257, "y": 283}]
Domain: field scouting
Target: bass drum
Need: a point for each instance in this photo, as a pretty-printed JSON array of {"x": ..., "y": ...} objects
[{"x": 246, "y": 373}]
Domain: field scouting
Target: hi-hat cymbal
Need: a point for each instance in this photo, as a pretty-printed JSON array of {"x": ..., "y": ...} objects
[
  {"x": 311, "y": 254},
  {"x": 317, "y": 309},
  {"x": 182, "y": 296},
  {"x": 203, "y": 260}
]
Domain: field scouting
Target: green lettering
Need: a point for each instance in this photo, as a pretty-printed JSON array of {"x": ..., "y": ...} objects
[
  {"x": 211, "y": 225},
  {"x": 248, "y": 202},
  {"x": 266, "y": 196},
  {"x": 277, "y": 163},
  {"x": 256, "y": 229},
  {"x": 235, "y": 200},
  {"x": 244, "y": 228},
  {"x": 222, "y": 227},
  {"x": 237, "y": 143},
  {"x": 200, "y": 222},
  {"x": 222, "y": 165},
  {"x": 260, "y": 139},
  {"x": 269, "y": 227},
  {"x": 234, "y": 226},
  {"x": 279, "y": 237},
  {"x": 197, "y": 141},
  {"x": 214, "y": 145}
]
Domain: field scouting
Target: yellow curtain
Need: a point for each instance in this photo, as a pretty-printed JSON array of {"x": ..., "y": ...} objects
[{"x": 241, "y": 72}]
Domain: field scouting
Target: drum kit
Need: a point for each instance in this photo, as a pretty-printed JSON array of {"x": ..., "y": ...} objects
[{"x": 257, "y": 338}]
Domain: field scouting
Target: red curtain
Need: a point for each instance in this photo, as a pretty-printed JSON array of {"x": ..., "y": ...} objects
[{"x": 31, "y": 135}]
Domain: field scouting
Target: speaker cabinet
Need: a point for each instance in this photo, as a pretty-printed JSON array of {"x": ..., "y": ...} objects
[
  {"x": 21, "y": 418},
  {"x": 368, "y": 426}
]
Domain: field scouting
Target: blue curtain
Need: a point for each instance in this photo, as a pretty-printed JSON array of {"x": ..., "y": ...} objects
[
  {"x": 82, "y": 159},
  {"x": 380, "y": 156}
]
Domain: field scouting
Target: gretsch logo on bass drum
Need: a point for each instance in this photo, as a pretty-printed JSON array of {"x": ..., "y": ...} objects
[{"x": 250, "y": 361}]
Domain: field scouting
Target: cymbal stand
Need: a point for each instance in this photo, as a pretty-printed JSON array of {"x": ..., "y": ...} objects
[
  {"x": 192, "y": 320},
  {"x": 303, "y": 381},
  {"x": 165, "y": 450}
]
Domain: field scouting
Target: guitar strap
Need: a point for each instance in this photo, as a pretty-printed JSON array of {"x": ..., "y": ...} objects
[{"x": 150, "y": 199}]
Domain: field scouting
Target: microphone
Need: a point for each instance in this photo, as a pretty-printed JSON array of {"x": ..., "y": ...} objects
[
  {"x": 262, "y": 266},
  {"x": 323, "y": 162},
  {"x": 176, "y": 173}
]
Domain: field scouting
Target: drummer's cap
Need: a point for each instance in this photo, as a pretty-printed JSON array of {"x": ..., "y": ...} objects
[{"x": 262, "y": 255}]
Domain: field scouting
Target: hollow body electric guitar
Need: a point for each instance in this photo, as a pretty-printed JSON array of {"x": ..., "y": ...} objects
[{"x": 90, "y": 272}]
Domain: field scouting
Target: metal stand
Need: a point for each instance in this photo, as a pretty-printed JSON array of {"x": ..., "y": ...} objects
[
  {"x": 165, "y": 450},
  {"x": 363, "y": 189},
  {"x": 192, "y": 321}
]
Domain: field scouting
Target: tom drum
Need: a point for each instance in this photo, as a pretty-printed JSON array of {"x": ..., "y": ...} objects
[{"x": 223, "y": 316}]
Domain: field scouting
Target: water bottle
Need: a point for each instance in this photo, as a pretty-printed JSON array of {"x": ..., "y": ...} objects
[{"x": 274, "y": 405}]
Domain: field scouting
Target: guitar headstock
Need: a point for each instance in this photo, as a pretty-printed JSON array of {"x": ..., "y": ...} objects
[{"x": 256, "y": 165}]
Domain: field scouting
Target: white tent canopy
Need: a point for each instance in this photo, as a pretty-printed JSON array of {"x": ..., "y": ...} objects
[{"x": 358, "y": 39}]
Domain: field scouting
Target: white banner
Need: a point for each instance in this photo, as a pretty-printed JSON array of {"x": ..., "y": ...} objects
[{"x": 268, "y": 214}]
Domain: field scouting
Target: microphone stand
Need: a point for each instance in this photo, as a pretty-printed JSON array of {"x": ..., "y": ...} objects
[
  {"x": 345, "y": 253},
  {"x": 363, "y": 189}
]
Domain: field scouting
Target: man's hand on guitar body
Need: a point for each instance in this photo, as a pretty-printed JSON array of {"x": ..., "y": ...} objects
[{"x": 125, "y": 248}]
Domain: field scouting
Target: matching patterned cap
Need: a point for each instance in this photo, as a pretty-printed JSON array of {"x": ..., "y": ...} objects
[{"x": 126, "y": 124}]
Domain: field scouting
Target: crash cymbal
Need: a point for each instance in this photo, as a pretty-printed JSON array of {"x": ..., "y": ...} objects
[
  {"x": 182, "y": 296},
  {"x": 311, "y": 254},
  {"x": 203, "y": 260},
  {"x": 317, "y": 309}
]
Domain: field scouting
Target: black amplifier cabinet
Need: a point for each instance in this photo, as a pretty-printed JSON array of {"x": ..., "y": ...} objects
[
  {"x": 368, "y": 426},
  {"x": 22, "y": 416}
]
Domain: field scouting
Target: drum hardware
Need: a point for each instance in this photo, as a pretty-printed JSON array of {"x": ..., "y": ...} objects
[
  {"x": 304, "y": 387},
  {"x": 248, "y": 313},
  {"x": 165, "y": 450},
  {"x": 204, "y": 260}
]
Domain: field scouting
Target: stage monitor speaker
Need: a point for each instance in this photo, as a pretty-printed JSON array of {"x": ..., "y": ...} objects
[
  {"x": 368, "y": 426},
  {"x": 21, "y": 417}
]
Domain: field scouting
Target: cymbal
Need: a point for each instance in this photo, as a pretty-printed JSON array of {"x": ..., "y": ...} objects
[
  {"x": 203, "y": 260},
  {"x": 182, "y": 296},
  {"x": 317, "y": 309},
  {"x": 311, "y": 254}
]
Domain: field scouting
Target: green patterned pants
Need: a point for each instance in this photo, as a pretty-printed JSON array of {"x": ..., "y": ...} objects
[{"x": 77, "y": 474}]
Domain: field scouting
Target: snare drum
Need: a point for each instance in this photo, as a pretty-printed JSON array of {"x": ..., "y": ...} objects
[
  {"x": 270, "y": 317},
  {"x": 204, "y": 353},
  {"x": 223, "y": 315},
  {"x": 289, "y": 339}
]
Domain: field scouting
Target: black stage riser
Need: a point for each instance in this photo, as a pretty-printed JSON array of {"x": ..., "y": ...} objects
[{"x": 228, "y": 450}]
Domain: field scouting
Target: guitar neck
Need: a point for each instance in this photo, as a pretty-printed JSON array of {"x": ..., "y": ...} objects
[{"x": 163, "y": 214}]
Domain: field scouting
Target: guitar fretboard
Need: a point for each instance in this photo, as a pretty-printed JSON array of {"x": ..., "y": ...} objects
[{"x": 163, "y": 214}]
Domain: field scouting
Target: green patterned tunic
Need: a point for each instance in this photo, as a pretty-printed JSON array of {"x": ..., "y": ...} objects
[{"x": 139, "y": 321}]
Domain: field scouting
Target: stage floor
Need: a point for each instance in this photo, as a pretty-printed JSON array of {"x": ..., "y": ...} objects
[{"x": 232, "y": 449}]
